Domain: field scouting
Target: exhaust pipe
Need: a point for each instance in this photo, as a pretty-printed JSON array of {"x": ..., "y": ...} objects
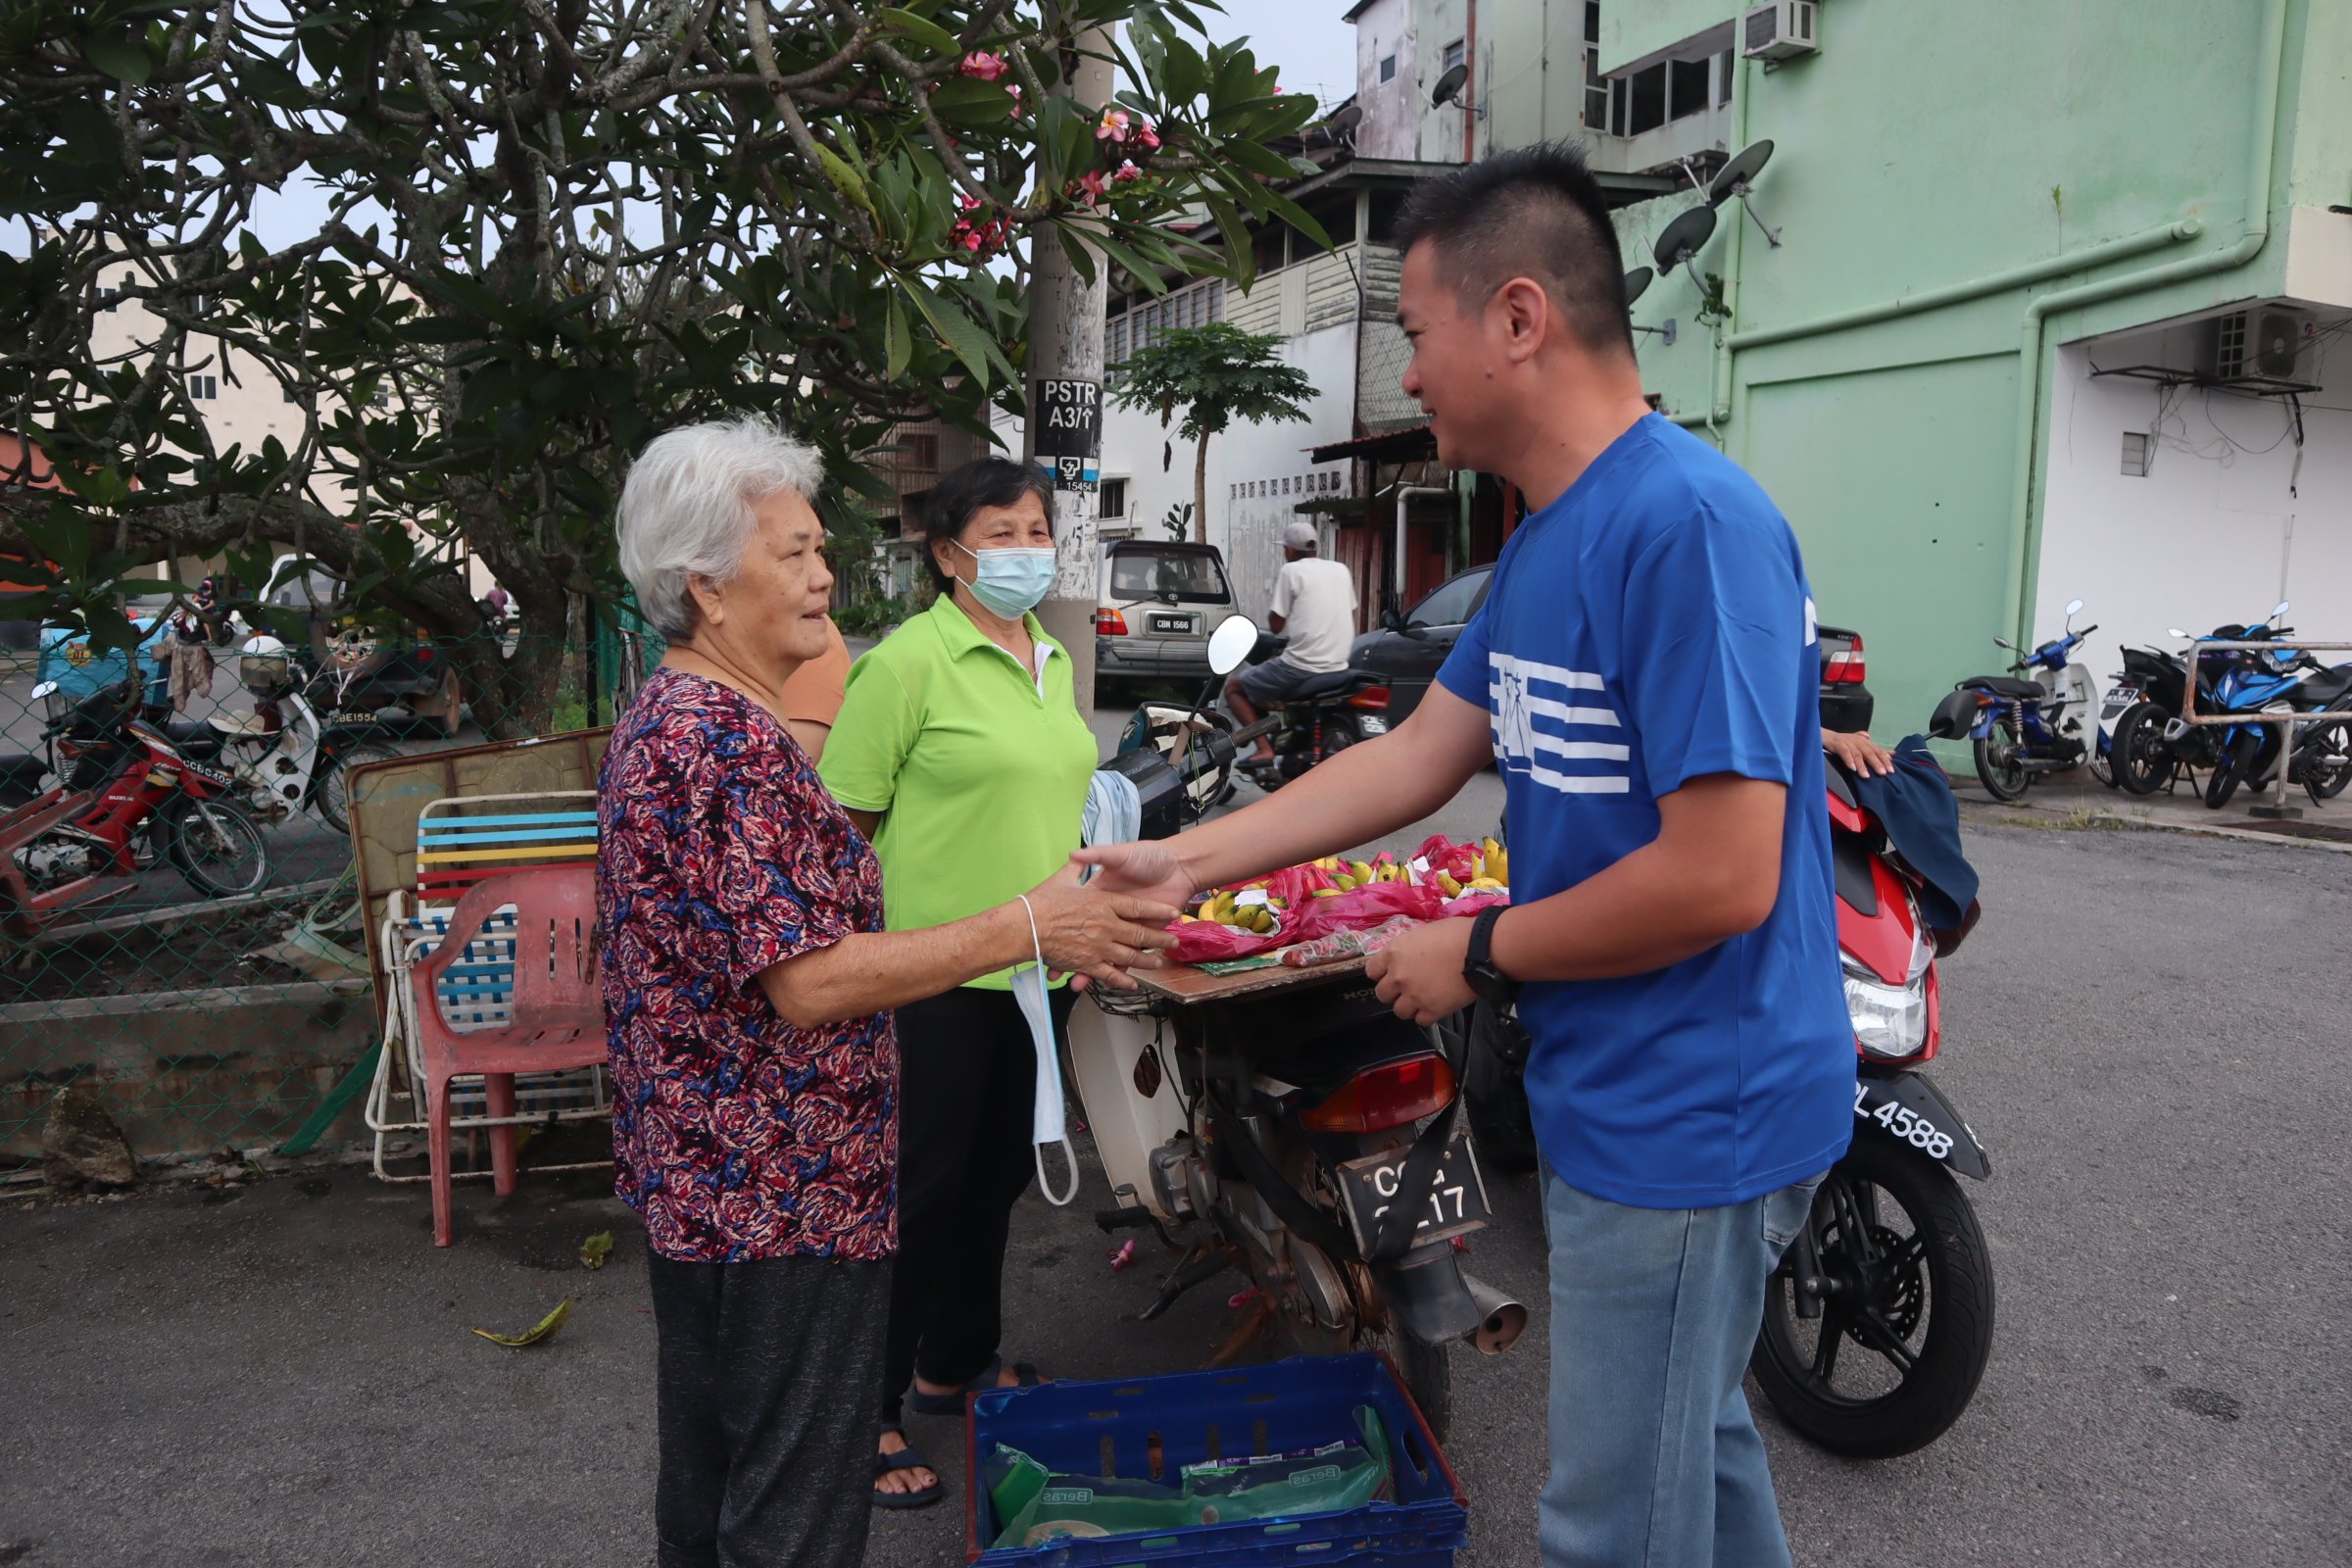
[{"x": 1500, "y": 1320}]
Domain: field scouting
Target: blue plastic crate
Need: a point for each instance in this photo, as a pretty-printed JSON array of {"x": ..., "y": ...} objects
[{"x": 1151, "y": 1428}]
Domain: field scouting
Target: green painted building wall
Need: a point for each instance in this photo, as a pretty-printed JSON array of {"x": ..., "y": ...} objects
[{"x": 1934, "y": 149}]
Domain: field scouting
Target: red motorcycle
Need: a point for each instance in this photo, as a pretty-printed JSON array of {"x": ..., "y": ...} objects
[
  {"x": 1878, "y": 1322},
  {"x": 128, "y": 797}
]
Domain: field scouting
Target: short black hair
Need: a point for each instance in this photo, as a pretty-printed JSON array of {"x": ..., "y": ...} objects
[
  {"x": 981, "y": 482},
  {"x": 1532, "y": 211}
]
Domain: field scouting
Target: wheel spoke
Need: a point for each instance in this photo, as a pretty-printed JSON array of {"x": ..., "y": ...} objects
[
  {"x": 1825, "y": 1349},
  {"x": 1879, "y": 1335},
  {"x": 1909, "y": 1255}
]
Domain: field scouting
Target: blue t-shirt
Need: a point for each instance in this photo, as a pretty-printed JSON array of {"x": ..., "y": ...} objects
[{"x": 1651, "y": 626}]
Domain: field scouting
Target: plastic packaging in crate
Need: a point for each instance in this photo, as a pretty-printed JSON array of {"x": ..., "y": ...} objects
[{"x": 1151, "y": 1428}]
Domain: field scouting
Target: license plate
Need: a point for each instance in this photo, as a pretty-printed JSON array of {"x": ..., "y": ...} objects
[
  {"x": 1456, "y": 1202},
  {"x": 2120, "y": 698},
  {"x": 1172, "y": 625}
]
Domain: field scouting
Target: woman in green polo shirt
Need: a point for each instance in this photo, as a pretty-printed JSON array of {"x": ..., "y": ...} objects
[{"x": 961, "y": 752}]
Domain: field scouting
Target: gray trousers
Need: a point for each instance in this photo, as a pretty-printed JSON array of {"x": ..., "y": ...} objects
[{"x": 765, "y": 1395}]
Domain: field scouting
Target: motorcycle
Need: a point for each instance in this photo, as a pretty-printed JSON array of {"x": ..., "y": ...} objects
[
  {"x": 1323, "y": 718},
  {"x": 1293, "y": 1127},
  {"x": 126, "y": 797},
  {"x": 2024, "y": 727},
  {"x": 1878, "y": 1323},
  {"x": 2277, "y": 681}
]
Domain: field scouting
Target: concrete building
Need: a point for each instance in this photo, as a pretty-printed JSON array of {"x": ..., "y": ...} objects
[{"x": 2057, "y": 308}]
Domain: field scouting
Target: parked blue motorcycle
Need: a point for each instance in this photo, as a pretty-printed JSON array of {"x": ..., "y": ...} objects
[
  {"x": 2281, "y": 680},
  {"x": 2027, "y": 727}
]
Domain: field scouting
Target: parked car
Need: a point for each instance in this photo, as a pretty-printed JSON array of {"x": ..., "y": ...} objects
[
  {"x": 1409, "y": 649},
  {"x": 1158, "y": 603}
]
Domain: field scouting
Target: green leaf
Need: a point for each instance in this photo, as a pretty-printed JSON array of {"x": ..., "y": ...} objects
[
  {"x": 121, "y": 56},
  {"x": 898, "y": 343},
  {"x": 596, "y": 1249},
  {"x": 964, "y": 339},
  {"x": 850, "y": 182},
  {"x": 930, "y": 33},
  {"x": 539, "y": 1333}
]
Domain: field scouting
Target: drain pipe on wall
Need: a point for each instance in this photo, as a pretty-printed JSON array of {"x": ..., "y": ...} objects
[{"x": 2024, "y": 511}]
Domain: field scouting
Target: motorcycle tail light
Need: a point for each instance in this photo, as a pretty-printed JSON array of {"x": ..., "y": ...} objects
[
  {"x": 1109, "y": 623},
  {"x": 1370, "y": 697},
  {"x": 1394, "y": 1094},
  {"x": 1846, "y": 667}
]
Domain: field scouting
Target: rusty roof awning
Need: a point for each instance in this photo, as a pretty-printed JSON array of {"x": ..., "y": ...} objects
[{"x": 1405, "y": 445}]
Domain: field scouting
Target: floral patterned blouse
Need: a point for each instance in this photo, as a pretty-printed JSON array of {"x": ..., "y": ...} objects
[{"x": 736, "y": 1134}]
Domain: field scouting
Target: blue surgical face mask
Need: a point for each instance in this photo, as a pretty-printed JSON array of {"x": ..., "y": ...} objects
[{"x": 1011, "y": 582}]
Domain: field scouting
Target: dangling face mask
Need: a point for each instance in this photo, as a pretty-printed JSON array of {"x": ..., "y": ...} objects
[{"x": 1011, "y": 581}]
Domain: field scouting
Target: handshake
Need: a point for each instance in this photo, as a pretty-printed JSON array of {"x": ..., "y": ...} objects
[{"x": 1101, "y": 929}]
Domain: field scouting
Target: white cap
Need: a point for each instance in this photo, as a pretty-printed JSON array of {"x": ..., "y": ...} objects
[{"x": 1298, "y": 534}]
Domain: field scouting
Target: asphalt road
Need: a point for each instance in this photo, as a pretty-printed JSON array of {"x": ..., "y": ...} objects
[{"x": 2148, "y": 1030}]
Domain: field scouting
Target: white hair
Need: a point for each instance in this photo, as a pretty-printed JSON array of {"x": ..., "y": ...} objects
[{"x": 687, "y": 508}]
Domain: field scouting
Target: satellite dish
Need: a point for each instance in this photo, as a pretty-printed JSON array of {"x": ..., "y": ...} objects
[
  {"x": 1737, "y": 177},
  {"x": 1449, "y": 86},
  {"x": 1684, "y": 238},
  {"x": 1637, "y": 283},
  {"x": 1342, "y": 124}
]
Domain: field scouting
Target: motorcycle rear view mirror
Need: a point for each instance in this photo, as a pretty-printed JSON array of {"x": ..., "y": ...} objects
[
  {"x": 2003, "y": 642},
  {"x": 2279, "y": 611},
  {"x": 1230, "y": 644},
  {"x": 2175, "y": 631},
  {"x": 2074, "y": 607}
]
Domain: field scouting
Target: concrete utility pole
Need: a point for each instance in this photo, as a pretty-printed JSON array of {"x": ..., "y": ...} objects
[{"x": 1063, "y": 433}]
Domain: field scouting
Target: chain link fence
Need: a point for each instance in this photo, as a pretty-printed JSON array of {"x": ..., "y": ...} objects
[{"x": 181, "y": 951}]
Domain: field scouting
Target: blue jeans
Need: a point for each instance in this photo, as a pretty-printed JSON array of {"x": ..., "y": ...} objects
[{"x": 1655, "y": 1460}]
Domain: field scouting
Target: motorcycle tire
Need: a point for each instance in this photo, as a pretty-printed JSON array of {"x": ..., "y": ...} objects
[
  {"x": 1425, "y": 1370},
  {"x": 1340, "y": 732},
  {"x": 2005, "y": 777},
  {"x": 1933, "y": 1300},
  {"x": 218, "y": 847},
  {"x": 2141, "y": 764},
  {"x": 2232, "y": 770},
  {"x": 330, "y": 796},
  {"x": 2326, "y": 781}
]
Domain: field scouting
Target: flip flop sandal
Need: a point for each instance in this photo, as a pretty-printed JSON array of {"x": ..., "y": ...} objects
[
  {"x": 1024, "y": 1375},
  {"x": 907, "y": 1459}
]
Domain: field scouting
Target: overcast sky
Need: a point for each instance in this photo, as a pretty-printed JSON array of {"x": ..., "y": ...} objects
[{"x": 1306, "y": 38}]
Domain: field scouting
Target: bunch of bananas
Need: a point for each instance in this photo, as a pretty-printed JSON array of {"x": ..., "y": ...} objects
[
  {"x": 1223, "y": 908},
  {"x": 1349, "y": 875},
  {"x": 1489, "y": 872}
]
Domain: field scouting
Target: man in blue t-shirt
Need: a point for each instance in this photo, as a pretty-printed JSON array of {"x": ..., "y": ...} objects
[{"x": 1644, "y": 669}]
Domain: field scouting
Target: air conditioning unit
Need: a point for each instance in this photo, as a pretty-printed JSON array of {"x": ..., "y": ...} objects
[
  {"x": 2261, "y": 343},
  {"x": 1782, "y": 30}
]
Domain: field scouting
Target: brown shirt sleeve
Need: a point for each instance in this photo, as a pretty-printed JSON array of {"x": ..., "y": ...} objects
[{"x": 812, "y": 695}]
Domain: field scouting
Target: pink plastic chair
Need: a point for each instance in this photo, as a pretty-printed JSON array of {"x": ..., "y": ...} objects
[{"x": 558, "y": 1016}]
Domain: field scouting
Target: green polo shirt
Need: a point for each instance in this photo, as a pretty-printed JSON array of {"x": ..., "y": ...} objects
[{"x": 980, "y": 767}]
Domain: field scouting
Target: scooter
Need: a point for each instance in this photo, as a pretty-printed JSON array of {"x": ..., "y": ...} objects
[
  {"x": 1295, "y": 1129},
  {"x": 1323, "y": 718},
  {"x": 291, "y": 758},
  {"x": 2026, "y": 727},
  {"x": 127, "y": 795},
  {"x": 2277, "y": 681}
]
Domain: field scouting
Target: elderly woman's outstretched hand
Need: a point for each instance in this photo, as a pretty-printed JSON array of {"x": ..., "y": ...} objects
[{"x": 1098, "y": 933}]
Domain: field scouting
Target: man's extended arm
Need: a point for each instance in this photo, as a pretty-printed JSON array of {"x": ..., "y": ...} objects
[
  {"x": 1712, "y": 873},
  {"x": 1371, "y": 789}
]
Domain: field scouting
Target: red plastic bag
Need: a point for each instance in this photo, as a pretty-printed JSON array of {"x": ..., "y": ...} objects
[
  {"x": 1362, "y": 909},
  {"x": 1209, "y": 941}
]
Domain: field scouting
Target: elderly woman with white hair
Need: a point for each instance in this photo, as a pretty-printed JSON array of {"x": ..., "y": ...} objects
[{"x": 748, "y": 985}]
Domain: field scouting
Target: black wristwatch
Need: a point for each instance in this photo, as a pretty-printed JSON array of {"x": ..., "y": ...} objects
[{"x": 1478, "y": 967}]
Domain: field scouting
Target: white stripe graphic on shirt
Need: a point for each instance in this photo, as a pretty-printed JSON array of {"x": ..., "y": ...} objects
[{"x": 1513, "y": 708}]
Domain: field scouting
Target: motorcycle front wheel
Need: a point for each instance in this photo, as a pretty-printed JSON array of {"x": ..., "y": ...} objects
[
  {"x": 1905, "y": 1326},
  {"x": 2236, "y": 763},
  {"x": 1998, "y": 762},
  {"x": 218, "y": 847},
  {"x": 2142, "y": 766},
  {"x": 333, "y": 795}
]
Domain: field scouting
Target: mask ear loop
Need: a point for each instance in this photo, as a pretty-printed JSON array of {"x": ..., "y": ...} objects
[{"x": 1069, "y": 1153}]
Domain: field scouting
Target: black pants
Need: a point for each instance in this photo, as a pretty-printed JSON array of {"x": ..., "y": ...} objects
[
  {"x": 766, "y": 1452},
  {"x": 967, "y": 1086}
]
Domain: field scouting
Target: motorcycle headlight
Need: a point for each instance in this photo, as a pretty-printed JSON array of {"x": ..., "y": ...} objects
[{"x": 1890, "y": 1021}]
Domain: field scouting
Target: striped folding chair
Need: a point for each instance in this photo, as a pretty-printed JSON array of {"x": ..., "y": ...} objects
[{"x": 461, "y": 841}]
